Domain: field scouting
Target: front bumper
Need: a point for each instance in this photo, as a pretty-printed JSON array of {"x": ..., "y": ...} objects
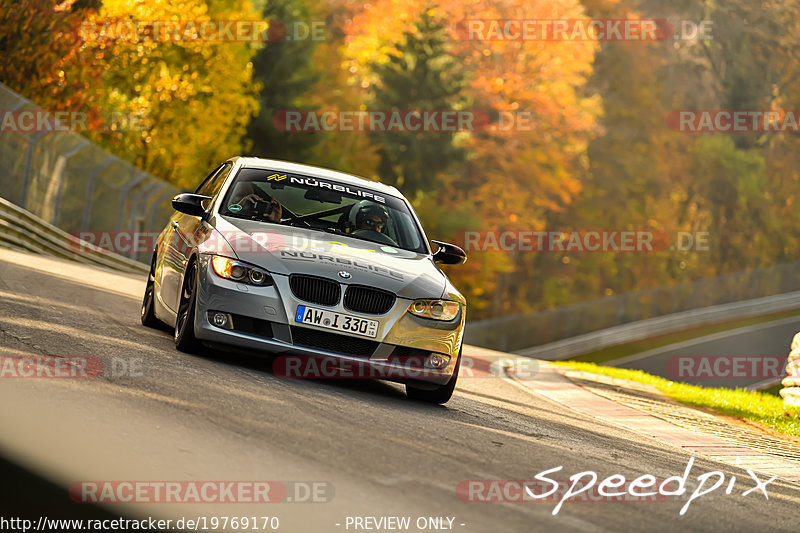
[{"x": 261, "y": 320}]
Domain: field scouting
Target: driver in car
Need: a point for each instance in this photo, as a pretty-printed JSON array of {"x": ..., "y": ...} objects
[
  {"x": 255, "y": 203},
  {"x": 369, "y": 221},
  {"x": 371, "y": 217}
]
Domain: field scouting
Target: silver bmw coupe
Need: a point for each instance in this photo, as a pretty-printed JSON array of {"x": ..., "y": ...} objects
[{"x": 313, "y": 265}]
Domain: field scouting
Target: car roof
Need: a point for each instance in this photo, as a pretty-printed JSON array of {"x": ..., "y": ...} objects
[{"x": 316, "y": 172}]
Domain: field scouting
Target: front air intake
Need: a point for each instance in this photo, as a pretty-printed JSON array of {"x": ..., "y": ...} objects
[
  {"x": 315, "y": 290},
  {"x": 368, "y": 300}
]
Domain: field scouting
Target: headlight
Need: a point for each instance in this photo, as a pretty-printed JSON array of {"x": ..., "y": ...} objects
[
  {"x": 435, "y": 309},
  {"x": 234, "y": 270}
]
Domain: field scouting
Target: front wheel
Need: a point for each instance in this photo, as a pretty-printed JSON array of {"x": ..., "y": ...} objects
[
  {"x": 440, "y": 394},
  {"x": 185, "y": 340},
  {"x": 148, "y": 313}
]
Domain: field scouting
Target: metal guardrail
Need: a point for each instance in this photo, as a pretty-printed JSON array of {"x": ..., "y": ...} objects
[
  {"x": 652, "y": 327},
  {"x": 523, "y": 333},
  {"x": 61, "y": 180},
  {"x": 75, "y": 185},
  {"x": 23, "y": 231}
]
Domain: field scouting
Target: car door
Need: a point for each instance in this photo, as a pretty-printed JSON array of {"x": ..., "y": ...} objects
[{"x": 181, "y": 239}]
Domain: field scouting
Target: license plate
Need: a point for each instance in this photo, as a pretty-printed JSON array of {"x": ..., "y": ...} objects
[{"x": 338, "y": 321}]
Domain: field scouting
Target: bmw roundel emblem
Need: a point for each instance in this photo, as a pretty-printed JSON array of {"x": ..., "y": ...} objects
[{"x": 344, "y": 275}]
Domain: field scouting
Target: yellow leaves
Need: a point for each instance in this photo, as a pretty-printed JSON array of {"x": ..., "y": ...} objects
[
  {"x": 177, "y": 86},
  {"x": 436, "y": 12},
  {"x": 66, "y": 5}
]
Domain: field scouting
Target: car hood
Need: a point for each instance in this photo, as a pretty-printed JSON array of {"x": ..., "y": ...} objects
[{"x": 290, "y": 250}]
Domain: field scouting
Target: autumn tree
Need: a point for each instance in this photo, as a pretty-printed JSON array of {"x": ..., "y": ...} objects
[
  {"x": 193, "y": 98},
  {"x": 41, "y": 52},
  {"x": 419, "y": 75},
  {"x": 286, "y": 74},
  {"x": 512, "y": 179}
]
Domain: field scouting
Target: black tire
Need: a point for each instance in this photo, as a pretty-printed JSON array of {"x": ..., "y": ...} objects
[
  {"x": 440, "y": 394},
  {"x": 185, "y": 340},
  {"x": 148, "y": 313}
]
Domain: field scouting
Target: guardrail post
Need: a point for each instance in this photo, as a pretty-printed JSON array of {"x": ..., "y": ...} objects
[
  {"x": 87, "y": 208},
  {"x": 795, "y": 275},
  {"x": 134, "y": 218},
  {"x": 153, "y": 209},
  {"x": 620, "y": 310},
  {"x": 654, "y": 305},
  {"x": 65, "y": 158},
  {"x": 123, "y": 192},
  {"x": 787, "y": 273},
  {"x": 695, "y": 294},
  {"x": 28, "y": 166},
  {"x": 20, "y": 103},
  {"x": 146, "y": 191}
]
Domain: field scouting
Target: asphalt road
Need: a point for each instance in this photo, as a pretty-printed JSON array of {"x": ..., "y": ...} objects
[
  {"x": 224, "y": 417},
  {"x": 751, "y": 356}
]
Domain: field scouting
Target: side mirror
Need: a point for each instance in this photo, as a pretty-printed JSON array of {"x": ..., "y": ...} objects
[
  {"x": 190, "y": 204},
  {"x": 449, "y": 254}
]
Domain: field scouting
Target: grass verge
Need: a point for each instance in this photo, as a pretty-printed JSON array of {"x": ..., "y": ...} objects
[
  {"x": 760, "y": 407},
  {"x": 623, "y": 350}
]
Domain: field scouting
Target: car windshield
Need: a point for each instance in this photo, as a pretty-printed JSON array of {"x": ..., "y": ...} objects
[{"x": 322, "y": 205}]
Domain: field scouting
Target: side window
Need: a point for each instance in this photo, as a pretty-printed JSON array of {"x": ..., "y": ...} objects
[
  {"x": 203, "y": 186},
  {"x": 212, "y": 184},
  {"x": 218, "y": 180}
]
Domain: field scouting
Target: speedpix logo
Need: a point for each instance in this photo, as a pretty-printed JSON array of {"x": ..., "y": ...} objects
[{"x": 612, "y": 488}]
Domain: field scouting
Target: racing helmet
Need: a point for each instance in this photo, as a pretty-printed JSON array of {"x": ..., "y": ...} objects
[{"x": 366, "y": 209}]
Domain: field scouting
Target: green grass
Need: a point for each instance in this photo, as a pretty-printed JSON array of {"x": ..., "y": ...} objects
[
  {"x": 623, "y": 350},
  {"x": 773, "y": 390},
  {"x": 761, "y": 407}
]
